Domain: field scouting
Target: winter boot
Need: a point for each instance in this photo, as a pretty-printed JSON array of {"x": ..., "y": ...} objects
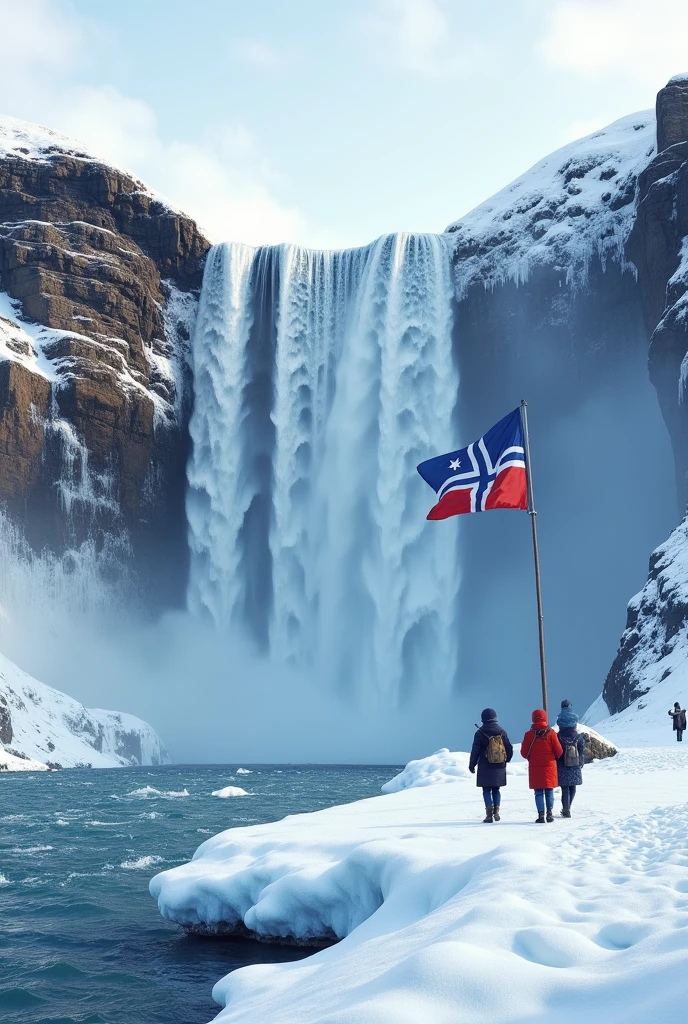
[
  {"x": 496, "y": 814},
  {"x": 540, "y": 820},
  {"x": 488, "y": 819},
  {"x": 550, "y": 816},
  {"x": 566, "y": 811}
]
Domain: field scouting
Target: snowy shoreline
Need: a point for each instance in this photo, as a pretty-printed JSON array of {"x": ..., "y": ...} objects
[{"x": 428, "y": 902}]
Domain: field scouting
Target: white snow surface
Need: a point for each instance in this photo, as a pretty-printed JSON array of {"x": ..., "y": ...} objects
[
  {"x": 35, "y": 142},
  {"x": 229, "y": 791},
  {"x": 445, "y": 920},
  {"x": 12, "y": 763},
  {"x": 49, "y": 726},
  {"x": 576, "y": 204}
]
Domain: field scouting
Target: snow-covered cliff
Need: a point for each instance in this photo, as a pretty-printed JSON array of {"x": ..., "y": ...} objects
[
  {"x": 41, "y": 726},
  {"x": 573, "y": 207}
]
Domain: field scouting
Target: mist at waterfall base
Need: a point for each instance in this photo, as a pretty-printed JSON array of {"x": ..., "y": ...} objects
[{"x": 328, "y": 621}]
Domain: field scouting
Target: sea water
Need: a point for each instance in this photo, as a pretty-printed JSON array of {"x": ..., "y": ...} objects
[{"x": 81, "y": 940}]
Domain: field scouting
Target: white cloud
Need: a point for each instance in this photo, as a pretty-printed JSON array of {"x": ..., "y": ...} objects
[
  {"x": 222, "y": 180},
  {"x": 641, "y": 41},
  {"x": 416, "y": 35}
]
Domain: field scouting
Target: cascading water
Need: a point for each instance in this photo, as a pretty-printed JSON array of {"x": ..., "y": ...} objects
[{"x": 321, "y": 380}]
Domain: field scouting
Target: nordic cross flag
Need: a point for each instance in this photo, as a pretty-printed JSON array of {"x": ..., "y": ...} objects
[{"x": 490, "y": 473}]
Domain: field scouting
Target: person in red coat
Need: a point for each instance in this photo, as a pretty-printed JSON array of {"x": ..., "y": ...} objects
[{"x": 541, "y": 748}]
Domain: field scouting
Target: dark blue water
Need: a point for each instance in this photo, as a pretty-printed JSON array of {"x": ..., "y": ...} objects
[{"x": 81, "y": 939}]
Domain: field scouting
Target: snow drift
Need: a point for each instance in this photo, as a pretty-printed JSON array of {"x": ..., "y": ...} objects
[{"x": 429, "y": 903}]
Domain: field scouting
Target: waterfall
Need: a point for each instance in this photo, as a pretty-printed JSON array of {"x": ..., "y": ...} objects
[{"x": 321, "y": 380}]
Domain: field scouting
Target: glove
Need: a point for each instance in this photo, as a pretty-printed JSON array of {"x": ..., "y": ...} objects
[{"x": 472, "y": 771}]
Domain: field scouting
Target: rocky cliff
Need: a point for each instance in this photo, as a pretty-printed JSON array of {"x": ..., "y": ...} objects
[
  {"x": 653, "y": 644},
  {"x": 658, "y": 247},
  {"x": 100, "y": 280}
]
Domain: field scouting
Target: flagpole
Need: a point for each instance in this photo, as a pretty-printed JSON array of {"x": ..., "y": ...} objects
[{"x": 536, "y": 552}]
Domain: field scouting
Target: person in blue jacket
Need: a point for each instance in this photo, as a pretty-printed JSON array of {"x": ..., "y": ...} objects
[
  {"x": 491, "y": 752},
  {"x": 569, "y": 765}
]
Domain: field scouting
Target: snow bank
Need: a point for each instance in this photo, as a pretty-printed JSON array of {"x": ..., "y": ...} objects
[
  {"x": 229, "y": 791},
  {"x": 444, "y": 919},
  {"x": 49, "y": 727},
  {"x": 440, "y": 767},
  {"x": 576, "y": 204}
]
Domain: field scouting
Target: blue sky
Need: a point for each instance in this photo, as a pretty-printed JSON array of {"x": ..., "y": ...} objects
[{"x": 329, "y": 123}]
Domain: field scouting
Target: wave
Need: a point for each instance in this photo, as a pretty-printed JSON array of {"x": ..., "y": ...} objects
[
  {"x": 142, "y": 862},
  {"x": 152, "y": 791},
  {"x": 4, "y": 880},
  {"x": 31, "y": 849}
]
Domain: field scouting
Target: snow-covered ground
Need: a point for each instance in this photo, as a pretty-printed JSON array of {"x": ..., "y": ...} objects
[
  {"x": 46, "y": 726},
  {"x": 446, "y": 920}
]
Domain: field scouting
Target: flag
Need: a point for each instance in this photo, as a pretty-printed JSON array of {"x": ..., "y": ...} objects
[{"x": 490, "y": 473}]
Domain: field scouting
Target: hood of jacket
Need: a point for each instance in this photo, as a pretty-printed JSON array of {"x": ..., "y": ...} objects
[{"x": 539, "y": 719}]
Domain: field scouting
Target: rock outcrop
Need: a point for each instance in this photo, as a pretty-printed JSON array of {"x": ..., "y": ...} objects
[
  {"x": 655, "y": 639},
  {"x": 101, "y": 278},
  {"x": 658, "y": 246},
  {"x": 657, "y": 617}
]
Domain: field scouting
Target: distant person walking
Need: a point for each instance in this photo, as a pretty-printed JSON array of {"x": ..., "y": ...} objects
[
  {"x": 570, "y": 763},
  {"x": 679, "y": 716},
  {"x": 541, "y": 748},
  {"x": 491, "y": 752}
]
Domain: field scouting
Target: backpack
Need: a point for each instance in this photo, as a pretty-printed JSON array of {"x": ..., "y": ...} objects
[
  {"x": 571, "y": 755},
  {"x": 496, "y": 751}
]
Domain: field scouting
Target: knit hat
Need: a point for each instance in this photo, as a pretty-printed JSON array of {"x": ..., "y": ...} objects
[
  {"x": 566, "y": 704},
  {"x": 567, "y": 719},
  {"x": 488, "y": 715},
  {"x": 540, "y": 718}
]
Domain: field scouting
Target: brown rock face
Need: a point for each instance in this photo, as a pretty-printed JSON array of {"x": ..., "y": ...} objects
[{"x": 106, "y": 277}]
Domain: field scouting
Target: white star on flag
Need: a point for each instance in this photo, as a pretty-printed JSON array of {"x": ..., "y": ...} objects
[{"x": 455, "y": 463}]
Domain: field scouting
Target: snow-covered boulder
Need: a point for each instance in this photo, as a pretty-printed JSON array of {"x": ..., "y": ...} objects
[
  {"x": 597, "y": 747},
  {"x": 51, "y": 729},
  {"x": 229, "y": 791},
  {"x": 442, "y": 766}
]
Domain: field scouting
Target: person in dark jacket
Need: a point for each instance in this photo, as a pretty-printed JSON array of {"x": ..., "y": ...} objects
[
  {"x": 571, "y": 775},
  {"x": 679, "y": 716},
  {"x": 491, "y": 773},
  {"x": 541, "y": 748}
]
